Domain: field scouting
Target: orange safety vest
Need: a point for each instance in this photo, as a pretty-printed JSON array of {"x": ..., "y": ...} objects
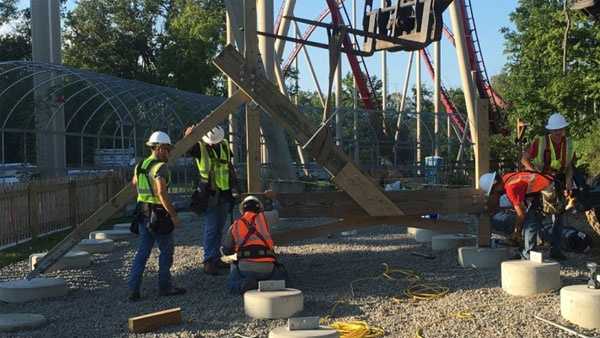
[
  {"x": 252, "y": 238},
  {"x": 535, "y": 182}
]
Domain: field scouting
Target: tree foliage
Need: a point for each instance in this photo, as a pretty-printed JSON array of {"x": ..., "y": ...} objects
[{"x": 533, "y": 80}]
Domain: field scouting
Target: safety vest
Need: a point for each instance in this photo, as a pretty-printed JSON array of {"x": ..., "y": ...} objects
[
  {"x": 252, "y": 238},
  {"x": 145, "y": 187},
  {"x": 535, "y": 182},
  {"x": 553, "y": 161},
  {"x": 209, "y": 163}
]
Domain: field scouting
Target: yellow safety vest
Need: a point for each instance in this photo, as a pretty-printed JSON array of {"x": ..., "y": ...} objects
[
  {"x": 557, "y": 161},
  {"x": 213, "y": 167},
  {"x": 145, "y": 185}
]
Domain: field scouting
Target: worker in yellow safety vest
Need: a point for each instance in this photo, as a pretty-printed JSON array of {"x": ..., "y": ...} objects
[
  {"x": 553, "y": 154},
  {"x": 216, "y": 176},
  {"x": 156, "y": 217}
]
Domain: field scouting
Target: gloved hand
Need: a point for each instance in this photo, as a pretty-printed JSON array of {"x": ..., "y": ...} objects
[{"x": 235, "y": 195}]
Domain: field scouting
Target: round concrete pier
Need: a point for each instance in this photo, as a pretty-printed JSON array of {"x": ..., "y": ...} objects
[
  {"x": 74, "y": 259},
  {"x": 322, "y": 332},
  {"x": 115, "y": 235},
  {"x": 581, "y": 305},
  {"x": 452, "y": 241},
  {"x": 94, "y": 246},
  {"x": 481, "y": 258},
  {"x": 273, "y": 304},
  {"x": 23, "y": 290},
  {"x": 421, "y": 235},
  {"x": 526, "y": 278},
  {"x": 12, "y": 322},
  {"x": 121, "y": 226}
]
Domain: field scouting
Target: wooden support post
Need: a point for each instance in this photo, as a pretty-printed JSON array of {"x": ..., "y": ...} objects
[
  {"x": 156, "y": 320},
  {"x": 418, "y": 114},
  {"x": 74, "y": 201},
  {"x": 34, "y": 210},
  {"x": 436, "y": 97},
  {"x": 485, "y": 230},
  {"x": 346, "y": 175},
  {"x": 482, "y": 147}
]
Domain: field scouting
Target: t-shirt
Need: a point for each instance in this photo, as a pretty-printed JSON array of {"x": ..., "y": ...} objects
[
  {"x": 162, "y": 172},
  {"x": 516, "y": 192}
]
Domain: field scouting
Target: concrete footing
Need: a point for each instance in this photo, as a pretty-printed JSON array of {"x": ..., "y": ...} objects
[
  {"x": 273, "y": 304},
  {"x": 121, "y": 226},
  {"x": 322, "y": 332},
  {"x": 581, "y": 305},
  {"x": 452, "y": 241},
  {"x": 421, "y": 235},
  {"x": 94, "y": 246},
  {"x": 11, "y": 322},
  {"x": 526, "y": 278},
  {"x": 115, "y": 235},
  {"x": 74, "y": 259},
  {"x": 23, "y": 290},
  {"x": 481, "y": 258}
]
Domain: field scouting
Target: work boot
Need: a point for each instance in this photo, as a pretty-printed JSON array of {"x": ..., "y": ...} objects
[
  {"x": 210, "y": 268},
  {"x": 557, "y": 255},
  {"x": 134, "y": 296},
  {"x": 172, "y": 291}
]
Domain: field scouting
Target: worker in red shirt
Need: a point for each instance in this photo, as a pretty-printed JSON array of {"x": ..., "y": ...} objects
[
  {"x": 523, "y": 190},
  {"x": 553, "y": 154}
]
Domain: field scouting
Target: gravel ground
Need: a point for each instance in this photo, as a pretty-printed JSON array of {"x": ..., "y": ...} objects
[{"x": 322, "y": 268}]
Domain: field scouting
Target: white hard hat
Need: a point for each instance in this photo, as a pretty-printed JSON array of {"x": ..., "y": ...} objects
[
  {"x": 486, "y": 182},
  {"x": 556, "y": 121},
  {"x": 158, "y": 137},
  {"x": 250, "y": 199},
  {"x": 214, "y": 136}
]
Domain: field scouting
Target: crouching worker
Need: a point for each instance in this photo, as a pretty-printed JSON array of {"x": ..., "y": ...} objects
[
  {"x": 249, "y": 247},
  {"x": 523, "y": 190}
]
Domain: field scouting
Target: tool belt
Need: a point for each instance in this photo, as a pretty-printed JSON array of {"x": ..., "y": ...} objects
[
  {"x": 159, "y": 220},
  {"x": 255, "y": 251}
]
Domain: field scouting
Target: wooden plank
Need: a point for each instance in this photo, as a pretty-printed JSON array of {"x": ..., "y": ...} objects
[
  {"x": 351, "y": 223},
  {"x": 339, "y": 205},
  {"x": 156, "y": 320},
  {"x": 283, "y": 111},
  {"x": 127, "y": 194}
]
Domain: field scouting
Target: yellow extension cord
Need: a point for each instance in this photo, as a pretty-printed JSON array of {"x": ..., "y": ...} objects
[{"x": 416, "y": 291}]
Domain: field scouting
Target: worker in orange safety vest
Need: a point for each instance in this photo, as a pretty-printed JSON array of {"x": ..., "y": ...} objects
[{"x": 249, "y": 246}]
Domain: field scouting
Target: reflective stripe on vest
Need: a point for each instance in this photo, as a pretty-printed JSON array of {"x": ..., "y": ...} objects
[
  {"x": 555, "y": 162},
  {"x": 145, "y": 189},
  {"x": 218, "y": 166},
  {"x": 240, "y": 232},
  {"x": 535, "y": 182}
]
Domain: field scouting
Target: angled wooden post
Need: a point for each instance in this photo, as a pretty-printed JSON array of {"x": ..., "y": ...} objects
[{"x": 346, "y": 175}]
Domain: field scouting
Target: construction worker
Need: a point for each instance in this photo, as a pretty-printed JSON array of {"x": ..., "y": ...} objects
[
  {"x": 553, "y": 154},
  {"x": 156, "y": 217},
  {"x": 213, "y": 160},
  {"x": 523, "y": 190},
  {"x": 250, "y": 248}
]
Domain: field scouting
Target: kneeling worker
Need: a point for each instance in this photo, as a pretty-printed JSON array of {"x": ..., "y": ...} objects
[
  {"x": 249, "y": 241},
  {"x": 523, "y": 190}
]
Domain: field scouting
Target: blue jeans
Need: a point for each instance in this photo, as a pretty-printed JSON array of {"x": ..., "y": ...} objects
[
  {"x": 531, "y": 227},
  {"x": 214, "y": 221},
  {"x": 558, "y": 222},
  {"x": 237, "y": 279},
  {"x": 165, "y": 260}
]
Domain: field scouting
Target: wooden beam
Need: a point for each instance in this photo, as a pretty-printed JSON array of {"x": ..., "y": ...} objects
[
  {"x": 339, "y": 205},
  {"x": 156, "y": 320},
  {"x": 127, "y": 194},
  {"x": 369, "y": 196},
  {"x": 352, "y": 223}
]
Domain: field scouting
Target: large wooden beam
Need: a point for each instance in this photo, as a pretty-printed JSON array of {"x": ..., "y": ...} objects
[
  {"x": 282, "y": 110},
  {"x": 339, "y": 205},
  {"x": 127, "y": 194},
  {"x": 351, "y": 223}
]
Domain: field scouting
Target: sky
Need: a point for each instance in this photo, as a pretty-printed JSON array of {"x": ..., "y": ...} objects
[{"x": 489, "y": 20}]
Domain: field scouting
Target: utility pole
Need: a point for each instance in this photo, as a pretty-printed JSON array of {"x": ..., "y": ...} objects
[
  {"x": 418, "y": 110},
  {"x": 338, "y": 103},
  {"x": 355, "y": 102},
  {"x": 436, "y": 96},
  {"x": 252, "y": 113},
  {"x": 46, "y": 48}
]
